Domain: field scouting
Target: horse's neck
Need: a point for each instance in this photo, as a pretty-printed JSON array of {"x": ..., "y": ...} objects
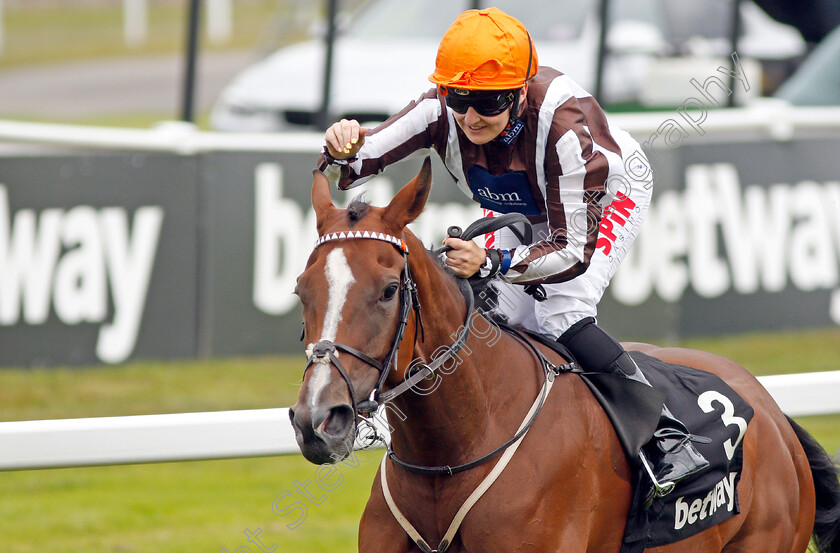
[{"x": 450, "y": 413}]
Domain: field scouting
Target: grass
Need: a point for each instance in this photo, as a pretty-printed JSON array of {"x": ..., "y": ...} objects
[
  {"x": 208, "y": 506},
  {"x": 779, "y": 353},
  {"x": 57, "y": 33},
  {"x": 149, "y": 387},
  {"x": 179, "y": 507}
]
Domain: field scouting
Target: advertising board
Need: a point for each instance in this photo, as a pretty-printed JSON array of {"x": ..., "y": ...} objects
[{"x": 110, "y": 256}]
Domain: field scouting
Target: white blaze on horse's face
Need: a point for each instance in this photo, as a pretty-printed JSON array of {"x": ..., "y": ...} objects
[{"x": 339, "y": 278}]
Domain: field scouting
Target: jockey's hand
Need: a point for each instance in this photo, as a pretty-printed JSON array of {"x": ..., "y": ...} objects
[
  {"x": 465, "y": 257},
  {"x": 345, "y": 138}
]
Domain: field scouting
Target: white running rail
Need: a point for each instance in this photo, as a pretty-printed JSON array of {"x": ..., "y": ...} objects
[
  {"x": 769, "y": 118},
  {"x": 257, "y": 432}
]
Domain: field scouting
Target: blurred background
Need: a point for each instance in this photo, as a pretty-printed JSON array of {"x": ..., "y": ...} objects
[
  {"x": 260, "y": 62},
  {"x": 155, "y": 166}
]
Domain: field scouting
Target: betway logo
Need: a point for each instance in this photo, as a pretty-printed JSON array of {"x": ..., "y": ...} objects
[
  {"x": 690, "y": 511},
  {"x": 717, "y": 236},
  {"x": 68, "y": 258},
  {"x": 504, "y": 197}
]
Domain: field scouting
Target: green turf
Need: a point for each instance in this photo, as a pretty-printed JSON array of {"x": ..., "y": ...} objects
[
  {"x": 207, "y": 506},
  {"x": 181, "y": 507},
  {"x": 149, "y": 387},
  {"x": 780, "y": 353}
]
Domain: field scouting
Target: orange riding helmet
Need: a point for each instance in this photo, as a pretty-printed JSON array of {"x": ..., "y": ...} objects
[{"x": 485, "y": 50}]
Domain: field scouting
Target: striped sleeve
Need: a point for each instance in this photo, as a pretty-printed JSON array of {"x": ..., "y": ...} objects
[
  {"x": 419, "y": 127},
  {"x": 573, "y": 172}
]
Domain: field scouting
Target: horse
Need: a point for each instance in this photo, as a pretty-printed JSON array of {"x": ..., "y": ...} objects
[{"x": 568, "y": 486}]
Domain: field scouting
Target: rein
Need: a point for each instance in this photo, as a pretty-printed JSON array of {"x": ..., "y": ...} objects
[
  {"x": 549, "y": 370},
  {"x": 325, "y": 351}
]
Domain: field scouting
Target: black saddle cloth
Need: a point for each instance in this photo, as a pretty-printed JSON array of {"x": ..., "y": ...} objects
[{"x": 708, "y": 407}]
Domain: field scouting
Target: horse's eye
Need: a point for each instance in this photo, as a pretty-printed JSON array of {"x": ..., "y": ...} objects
[{"x": 389, "y": 292}]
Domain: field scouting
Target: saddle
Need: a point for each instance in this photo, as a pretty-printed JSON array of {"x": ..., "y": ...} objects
[{"x": 708, "y": 407}]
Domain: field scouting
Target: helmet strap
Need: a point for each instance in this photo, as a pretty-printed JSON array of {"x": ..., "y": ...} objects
[{"x": 514, "y": 108}]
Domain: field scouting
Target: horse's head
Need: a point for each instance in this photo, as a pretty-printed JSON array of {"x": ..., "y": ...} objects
[{"x": 352, "y": 290}]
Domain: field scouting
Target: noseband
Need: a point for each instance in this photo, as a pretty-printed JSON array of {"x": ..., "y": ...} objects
[{"x": 326, "y": 351}]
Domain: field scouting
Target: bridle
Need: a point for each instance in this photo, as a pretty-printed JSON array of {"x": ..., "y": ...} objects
[{"x": 325, "y": 351}]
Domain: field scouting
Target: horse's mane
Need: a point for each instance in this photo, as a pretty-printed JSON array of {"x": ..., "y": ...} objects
[
  {"x": 357, "y": 209},
  {"x": 485, "y": 293}
]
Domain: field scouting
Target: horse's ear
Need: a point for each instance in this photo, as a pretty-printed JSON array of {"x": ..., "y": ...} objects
[
  {"x": 408, "y": 204},
  {"x": 321, "y": 199}
]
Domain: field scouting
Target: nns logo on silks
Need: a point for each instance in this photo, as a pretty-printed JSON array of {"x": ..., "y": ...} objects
[{"x": 508, "y": 193}]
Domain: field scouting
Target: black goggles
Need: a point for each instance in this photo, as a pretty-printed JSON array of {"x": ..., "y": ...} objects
[{"x": 484, "y": 103}]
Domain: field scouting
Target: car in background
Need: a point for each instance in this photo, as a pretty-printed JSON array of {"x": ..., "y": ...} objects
[
  {"x": 817, "y": 81},
  {"x": 384, "y": 56}
]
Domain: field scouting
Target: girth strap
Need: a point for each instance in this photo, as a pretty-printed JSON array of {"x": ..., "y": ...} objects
[{"x": 474, "y": 496}]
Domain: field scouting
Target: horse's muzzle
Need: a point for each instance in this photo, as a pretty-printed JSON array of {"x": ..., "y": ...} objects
[{"x": 324, "y": 434}]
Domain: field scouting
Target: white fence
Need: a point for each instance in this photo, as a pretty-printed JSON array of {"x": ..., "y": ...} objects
[
  {"x": 195, "y": 436},
  {"x": 257, "y": 432},
  {"x": 766, "y": 118}
]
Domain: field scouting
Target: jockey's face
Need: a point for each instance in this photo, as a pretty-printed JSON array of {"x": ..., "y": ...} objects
[{"x": 481, "y": 129}]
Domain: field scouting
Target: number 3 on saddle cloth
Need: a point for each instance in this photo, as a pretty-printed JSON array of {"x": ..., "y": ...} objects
[{"x": 708, "y": 407}]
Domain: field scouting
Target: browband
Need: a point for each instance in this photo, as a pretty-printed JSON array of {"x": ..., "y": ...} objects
[{"x": 398, "y": 242}]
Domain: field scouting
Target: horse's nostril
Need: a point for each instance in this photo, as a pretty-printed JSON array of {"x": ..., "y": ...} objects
[
  {"x": 339, "y": 421},
  {"x": 319, "y": 417},
  {"x": 297, "y": 423}
]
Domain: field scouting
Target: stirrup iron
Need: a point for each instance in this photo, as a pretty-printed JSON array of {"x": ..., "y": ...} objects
[{"x": 660, "y": 489}]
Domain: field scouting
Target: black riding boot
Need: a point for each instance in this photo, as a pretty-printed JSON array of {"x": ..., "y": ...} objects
[{"x": 597, "y": 351}]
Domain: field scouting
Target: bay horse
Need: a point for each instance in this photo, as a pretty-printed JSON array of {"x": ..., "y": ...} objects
[{"x": 568, "y": 486}]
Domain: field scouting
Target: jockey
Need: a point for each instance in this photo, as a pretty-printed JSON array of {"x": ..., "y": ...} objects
[{"x": 517, "y": 137}]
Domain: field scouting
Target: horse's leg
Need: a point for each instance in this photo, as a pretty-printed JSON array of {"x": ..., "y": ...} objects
[
  {"x": 567, "y": 489},
  {"x": 592, "y": 486}
]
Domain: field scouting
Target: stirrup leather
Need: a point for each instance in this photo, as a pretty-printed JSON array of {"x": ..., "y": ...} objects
[{"x": 681, "y": 439}]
